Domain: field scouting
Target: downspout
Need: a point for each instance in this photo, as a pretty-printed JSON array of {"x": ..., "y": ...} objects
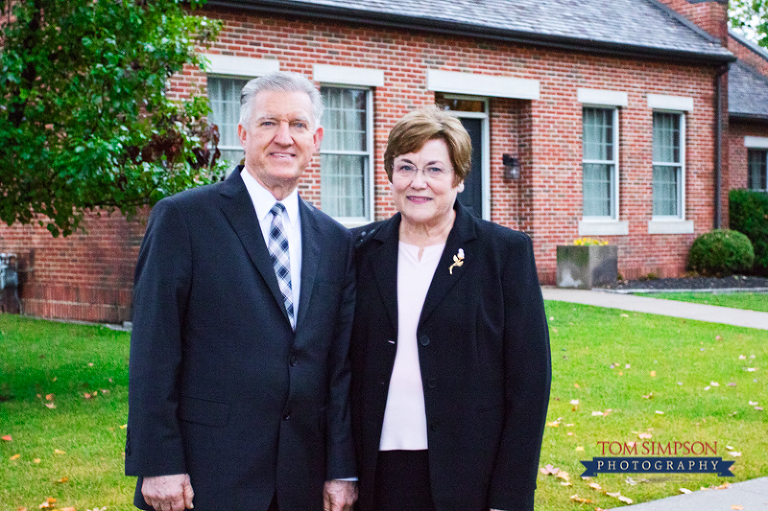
[{"x": 719, "y": 147}]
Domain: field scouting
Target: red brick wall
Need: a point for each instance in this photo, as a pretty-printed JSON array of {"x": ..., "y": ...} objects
[
  {"x": 545, "y": 134},
  {"x": 737, "y": 153},
  {"x": 86, "y": 276},
  {"x": 749, "y": 57}
]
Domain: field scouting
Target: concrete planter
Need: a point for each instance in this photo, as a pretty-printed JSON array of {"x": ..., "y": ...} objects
[{"x": 586, "y": 266}]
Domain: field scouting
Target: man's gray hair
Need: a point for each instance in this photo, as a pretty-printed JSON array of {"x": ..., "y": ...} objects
[{"x": 279, "y": 81}]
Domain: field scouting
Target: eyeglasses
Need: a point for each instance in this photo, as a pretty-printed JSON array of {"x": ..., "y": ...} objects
[{"x": 432, "y": 172}]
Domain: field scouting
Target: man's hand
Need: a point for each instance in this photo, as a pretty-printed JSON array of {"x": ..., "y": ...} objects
[
  {"x": 169, "y": 493},
  {"x": 339, "y": 495}
]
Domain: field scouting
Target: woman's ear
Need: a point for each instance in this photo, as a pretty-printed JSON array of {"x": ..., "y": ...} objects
[{"x": 461, "y": 187}]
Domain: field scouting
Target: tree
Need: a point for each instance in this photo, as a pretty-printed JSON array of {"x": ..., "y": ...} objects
[
  {"x": 85, "y": 122},
  {"x": 750, "y": 17}
]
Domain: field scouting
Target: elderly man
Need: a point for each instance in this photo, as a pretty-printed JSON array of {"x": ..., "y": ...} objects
[{"x": 243, "y": 301}]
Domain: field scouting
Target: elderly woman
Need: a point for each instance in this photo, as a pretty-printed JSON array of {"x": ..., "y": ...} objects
[{"x": 450, "y": 347}]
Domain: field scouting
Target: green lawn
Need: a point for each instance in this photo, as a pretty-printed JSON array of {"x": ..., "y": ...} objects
[
  {"x": 740, "y": 300},
  {"x": 39, "y": 358}
]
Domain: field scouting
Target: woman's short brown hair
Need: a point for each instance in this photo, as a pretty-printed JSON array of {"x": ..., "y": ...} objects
[{"x": 416, "y": 128}]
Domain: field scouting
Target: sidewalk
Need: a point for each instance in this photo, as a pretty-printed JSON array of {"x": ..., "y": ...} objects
[
  {"x": 750, "y": 495},
  {"x": 695, "y": 311}
]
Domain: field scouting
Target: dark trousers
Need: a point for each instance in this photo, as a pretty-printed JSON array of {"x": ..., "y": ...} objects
[
  {"x": 273, "y": 504},
  {"x": 402, "y": 481}
]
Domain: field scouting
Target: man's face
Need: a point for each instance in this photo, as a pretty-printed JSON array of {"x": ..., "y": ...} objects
[{"x": 280, "y": 139}]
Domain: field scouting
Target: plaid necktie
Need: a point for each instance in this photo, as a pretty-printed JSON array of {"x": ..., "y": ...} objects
[{"x": 278, "y": 252}]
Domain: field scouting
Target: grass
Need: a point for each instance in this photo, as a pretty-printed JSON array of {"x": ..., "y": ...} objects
[
  {"x": 39, "y": 358},
  {"x": 739, "y": 300}
]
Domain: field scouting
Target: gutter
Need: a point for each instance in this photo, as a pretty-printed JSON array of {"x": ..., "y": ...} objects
[
  {"x": 453, "y": 28},
  {"x": 738, "y": 116},
  {"x": 723, "y": 70}
]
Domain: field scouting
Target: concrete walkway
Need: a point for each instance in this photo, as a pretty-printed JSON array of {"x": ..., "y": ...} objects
[
  {"x": 750, "y": 495},
  {"x": 696, "y": 311}
]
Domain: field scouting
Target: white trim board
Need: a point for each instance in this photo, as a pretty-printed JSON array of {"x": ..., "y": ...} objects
[
  {"x": 675, "y": 103},
  {"x": 344, "y": 75},
  {"x": 756, "y": 142},
  {"x": 482, "y": 85},
  {"x": 603, "y": 97},
  {"x": 228, "y": 65}
]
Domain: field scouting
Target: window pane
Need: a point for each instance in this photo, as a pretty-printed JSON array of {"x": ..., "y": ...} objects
[
  {"x": 598, "y": 168},
  {"x": 343, "y": 185},
  {"x": 757, "y": 170},
  {"x": 344, "y": 119},
  {"x": 666, "y": 138},
  {"x": 224, "y": 98},
  {"x": 665, "y": 190},
  {"x": 598, "y": 189}
]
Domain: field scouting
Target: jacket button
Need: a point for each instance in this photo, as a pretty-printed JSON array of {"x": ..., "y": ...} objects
[
  {"x": 287, "y": 415},
  {"x": 432, "y": 383},
  {"x": 292, "y": 360},
  {"x": 424, "y": 340}
]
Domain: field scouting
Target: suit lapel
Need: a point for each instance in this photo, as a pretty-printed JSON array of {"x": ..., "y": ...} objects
[
  {"x": 461, "y": 237},
  {"x": 383, "y": 263},
  {"x": 237, "y": 206},
  {"x": 310, "y": 258}
]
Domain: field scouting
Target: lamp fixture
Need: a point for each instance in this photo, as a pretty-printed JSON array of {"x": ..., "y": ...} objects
[{"x": 511, "y": 167}]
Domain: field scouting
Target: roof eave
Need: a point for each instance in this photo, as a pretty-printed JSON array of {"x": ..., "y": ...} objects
[
  {"x": 389, "y": 20},
  {"x": 743, "y": 116}
]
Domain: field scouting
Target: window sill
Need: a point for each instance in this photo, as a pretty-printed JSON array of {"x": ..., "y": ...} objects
[
  {"x": 351, "y": 224},
  {"x": 670, "y": 227},
  {"x": 603, "y": 228}
]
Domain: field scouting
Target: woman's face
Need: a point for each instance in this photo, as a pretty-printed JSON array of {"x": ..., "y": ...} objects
[{"x": 422, "y": 184}]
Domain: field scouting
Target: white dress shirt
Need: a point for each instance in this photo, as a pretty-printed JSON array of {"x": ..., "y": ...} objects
[
  {"x": 263, "y": 200},
  {"x": 405, "y": 419}
]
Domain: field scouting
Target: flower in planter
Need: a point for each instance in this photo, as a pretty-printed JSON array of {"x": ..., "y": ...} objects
[{"x": 588, "y": 241}]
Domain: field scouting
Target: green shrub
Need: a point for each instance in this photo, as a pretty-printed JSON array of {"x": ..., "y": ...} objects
[
  {"x": 748, "y": 212},
  {"x": 721, "y": 252}
]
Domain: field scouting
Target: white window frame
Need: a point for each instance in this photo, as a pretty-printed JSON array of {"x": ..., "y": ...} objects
[
  {"x": 672, "y": 224},
  {"x": 764, "y": 169},
  {"x": 605, "y": 225},
  {"x": 229, "y": 67},
  {"x": 369, "y": 177},
  {"x": 347, "y": 77}
]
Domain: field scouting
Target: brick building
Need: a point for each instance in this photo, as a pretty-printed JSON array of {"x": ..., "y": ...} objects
[{"x": 588, "y": 118}]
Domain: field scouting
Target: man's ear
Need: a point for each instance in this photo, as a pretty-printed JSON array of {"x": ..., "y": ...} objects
[
  {"x": 318, "y": 137},
  {"x": 241, "y": 134}
]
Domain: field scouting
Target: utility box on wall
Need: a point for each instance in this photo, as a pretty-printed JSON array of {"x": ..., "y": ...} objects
[{"x": 587, "y": 266}]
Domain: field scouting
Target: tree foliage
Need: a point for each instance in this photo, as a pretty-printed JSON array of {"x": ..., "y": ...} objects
[
  {"x": 85, "y": 122},
  {"x": 750, "y": 17}
]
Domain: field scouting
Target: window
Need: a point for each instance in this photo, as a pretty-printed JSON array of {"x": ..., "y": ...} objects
[
  {"x": 345, "y": 155},
  {"x": 599, "y": 162},
  {"x": 224, "y": 98},
  {"x": 757, "y": 169},
  {"x": 668, "y": 157}
]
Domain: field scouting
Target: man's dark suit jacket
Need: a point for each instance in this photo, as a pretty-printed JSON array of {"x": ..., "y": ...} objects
[
  {"x": 484, "y": 356},
  {"x": 220, "y": 386}
]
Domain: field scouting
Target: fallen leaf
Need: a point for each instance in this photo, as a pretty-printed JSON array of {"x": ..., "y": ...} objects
[
  {"x": 734, "y": 453},
  {"x": 50, "y": 405},
  {"x": 706, "y": 388},
  {"x": 562, "y": 474},
  {"x": 90, "y": 364},
  {"x": 36, "y": 460},
  {"x": 62, "y": 480},
  {"x": 659, "y": 412},
  {"x": 549, "y": 470},
  {"x": 553, "y": 424},
  {"x": 717, "y": 337},
  {"x": 68, "y": 509},
  {"x": 730, "y": 448},
  {"x": 751, "y": 369},
  {"x": 649, "y": 396},
  {"x": 753, "y": 403},
  {"x": 576, "y": 385},
  {"x": 731, "y": 383},
  {"x": 742, "y": 357},
  {"x": 644, "y": 436},
  {"x": 630, "y": 481},
  {"x": 737, "y": 508},
  {"x": 49, "y": 397},
  {"x": 597, "y": 414},
  {"x": 124, "y": 426},
  {"x": 57, "y": 451},
  {"x": 15, "y": 456},
  {"x": 7, "y": 438},
  {"x": 759, "y": 408},
  {"x": 685, "y": 490},
  {"x": 627, "y": 366},
  {"x": 570, "y": 433},
  {"x": 47, "y": 503},
  {"x": 566, "y": 483},
  {"x": 580, "y": 448},
  {"x": 714, "y": 384},
  {"x": 595, "y": 486},
  {"x": 86, "y": 395},
  {"x": 653, "y": 374},
  {"x": 580, "y": 500},
  {"x": 624, "y": 315},
  {"x": 723, "y": 486},
  {"x": 576, "y": 402}
]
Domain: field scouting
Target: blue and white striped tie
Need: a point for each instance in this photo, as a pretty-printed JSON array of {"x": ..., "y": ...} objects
[{"x": 278, "y": 252}]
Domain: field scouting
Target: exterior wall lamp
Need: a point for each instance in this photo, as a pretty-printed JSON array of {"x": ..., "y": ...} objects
[{"x": 511, "y": 167}]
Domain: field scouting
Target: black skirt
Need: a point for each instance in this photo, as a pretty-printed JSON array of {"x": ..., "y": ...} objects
[{"x": 402, "y": 481}]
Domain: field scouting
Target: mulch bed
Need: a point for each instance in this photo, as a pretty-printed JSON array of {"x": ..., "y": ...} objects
[{"x": 693, "y": 283}]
